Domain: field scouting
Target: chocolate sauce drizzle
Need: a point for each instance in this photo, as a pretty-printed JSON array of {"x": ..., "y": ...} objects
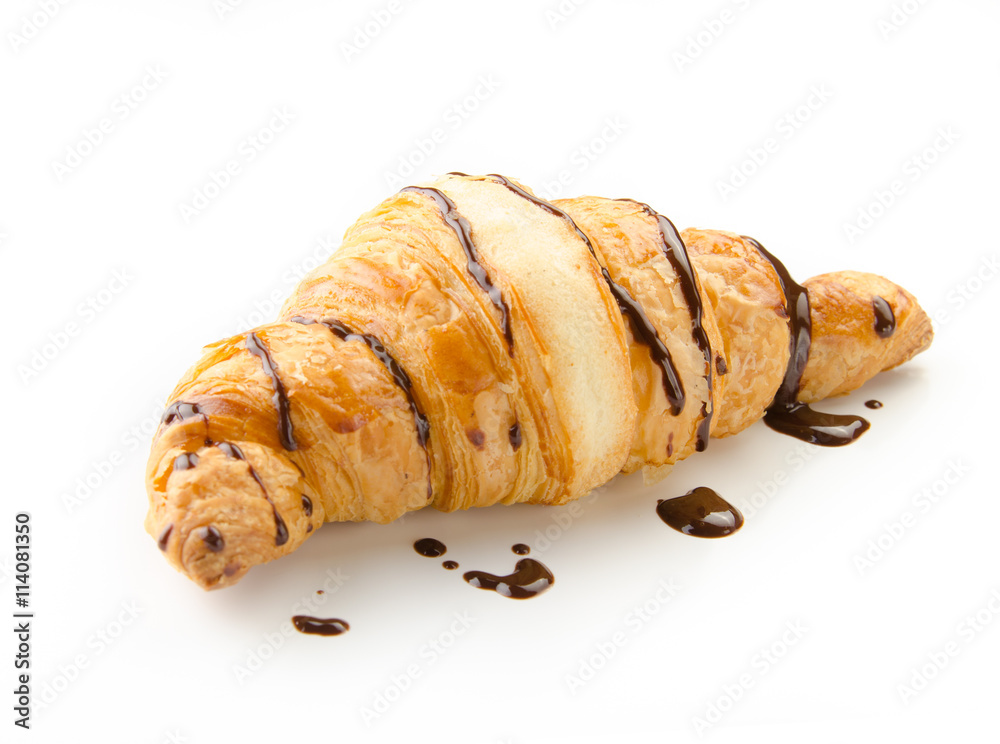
[
  {"x": 280, "y": 528},
  {"x": 395, "y": 370},
  {"x": 463, "y": 231},
  {"x": 676, "y": 253},
  {"x": 629, "y": 306},
  {"x": 185, "y": 461},
  {"x": 180, "y": 410},
  {"x": 164, "y": 537},
  {"x": 428, "y": 547},
  {"x": 885, "y": 320},
  {"x": 530, "y": 578},
  {"x": 514, "y": 435},
  {"x": 320, "y": 626},
  {"x": 700, "y": 513},
  {"x": 285, "y": 430},
  {"x": 786, "y": 414},
  {"x": 307, "y": 505},
  {"x": 212, "y": 538}
]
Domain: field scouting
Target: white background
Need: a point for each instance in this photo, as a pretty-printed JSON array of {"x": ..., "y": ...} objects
[{"x": 648, "y": 100}]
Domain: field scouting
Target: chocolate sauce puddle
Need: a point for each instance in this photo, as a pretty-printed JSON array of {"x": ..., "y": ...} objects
[
  {"x": 530, "y": 578},
  {"x": 395, "y": 370},
  {"x": 450, "y": 565},
  {"x": 285, "y": 429},
  {"x": 320, "y": 626},
  {"x": 520, "y": 549},
  {"x": 786, "y": 414},
  {"x": 873, "y": 404},
  {"x": 676, "y": 253},
  {"x": 473, "y": 265},
  {"x": 430, "y": 548},
  {"x": 641, "y": 326},
  {"x": 700, "y": 513}
]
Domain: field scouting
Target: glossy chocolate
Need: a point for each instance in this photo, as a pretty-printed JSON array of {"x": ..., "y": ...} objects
[
  {"x": 885, "y": 320},
  {"x": 179, "y": 410},
  {"x": 676, "y": 253},
  {"x": 280, "y": 528},
  {"x": 450, "y": 565},
  {"x": 307, "y": 505},
  {"x": 873, "y": 404},
  {"x": 212, "y": 538},
  {"x": 285, "y": 430},
  {"x": 164, "y": 537},
  {"x": 530, "y": 578},
  {"x": 643, "y": 330},
  {"x": 700, "y": 513},
  {"x": 185, "y": 461},
  {"x": 320, "y": 626},
  {"x": 463, "y": 231},
  {"x": 520, "y": 549},
  {"x": 786, "y": 414},
  {"x": 430, "y": 548},
  {"x": 514, "y": 435},
  {"x": 395, "y": 370}
]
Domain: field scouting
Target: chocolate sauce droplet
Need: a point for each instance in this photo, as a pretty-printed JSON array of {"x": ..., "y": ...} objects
[
  {"x": 885, "y": 321},
  {"x": 280, "y": 528},
  {"x": 212, "y": 538},
  {"x": 285, "y": 429},
  {"x": 700, "y": 513},
  {"x": 520, "y": 549},
  {"x": 185, "y": 461},
  {"x": 720, "y": 364},
  {"x": 463, "y": 231},
  {"x": 231, "y": 450},
  {"x": 644, "y": 331},
  {"x": 514, "y": 435},
  {"x": 786, "y": 414},
  {"x": 307, "y": 505},
  {"x": 873, "y": 404},
  {"x": 320, "y": 626},
  {"x": 231, "y": 569},
  {"x": 676, "y": 253},
  {"x": 395, "y": 370},
  {"x": 450, "y": 565},
  {"x": 816, "y": 427},
  {"x": 430, "y": 548},
  {"x": 477, "y": 437},
  {"x": 164, "y": 537},
  {"x": 530, "y": 578},
  {"x": 180, "y": 411}
]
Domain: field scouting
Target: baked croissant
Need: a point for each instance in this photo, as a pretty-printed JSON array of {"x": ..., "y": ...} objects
[{"x": 471, "y": 344}]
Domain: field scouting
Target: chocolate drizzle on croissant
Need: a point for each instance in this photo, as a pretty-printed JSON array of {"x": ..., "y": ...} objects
[
  {"x": 477, "y": 271},
  {"x": 256, "y": 347},
  {"x": 546, "y": 346},
  {"x": 672, "y": 385}
]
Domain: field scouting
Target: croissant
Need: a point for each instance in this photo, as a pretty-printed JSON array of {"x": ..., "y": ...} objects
[{"x": 471, "y": 344}]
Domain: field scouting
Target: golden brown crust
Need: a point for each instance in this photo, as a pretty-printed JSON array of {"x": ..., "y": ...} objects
[{"x": 574, "y": 400}]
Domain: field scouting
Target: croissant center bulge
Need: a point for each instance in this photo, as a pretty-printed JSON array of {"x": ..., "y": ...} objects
[{"x": 472, "y": 344}]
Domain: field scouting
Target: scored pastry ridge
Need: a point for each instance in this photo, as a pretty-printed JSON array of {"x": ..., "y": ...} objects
[{"x": 472, "y": 344}]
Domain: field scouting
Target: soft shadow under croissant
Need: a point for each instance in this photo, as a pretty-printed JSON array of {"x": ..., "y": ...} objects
[{"x": 471, "y": 344}]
